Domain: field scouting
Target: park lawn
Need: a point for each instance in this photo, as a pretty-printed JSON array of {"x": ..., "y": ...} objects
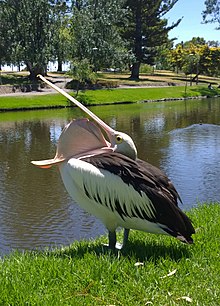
[
  {"x": 20, "y": 102},
  {"x": 123, "y": 95},
  {"x": 151, "y": 270},
  {"x": 105, "y": 96}
]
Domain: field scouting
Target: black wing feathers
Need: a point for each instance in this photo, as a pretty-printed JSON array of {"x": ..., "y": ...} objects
[{"x": 145, "y": 178}]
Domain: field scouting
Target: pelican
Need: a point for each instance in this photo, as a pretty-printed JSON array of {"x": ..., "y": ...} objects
[{"x": 106, "y": 178}]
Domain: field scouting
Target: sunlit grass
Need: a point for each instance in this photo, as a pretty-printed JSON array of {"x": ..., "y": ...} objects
[
  {"x": 105, "y": 96},
  {"x": 32, "y": 101},
  {"x": 152, "y": 270},
  {"x": 144, "y": 94}
]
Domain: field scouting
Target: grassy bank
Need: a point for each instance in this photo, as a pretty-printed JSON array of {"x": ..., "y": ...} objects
[
  {"x": 152, "y": 270},
  {"x": 32, "y": 101},
  {"x": 105, "y": 96},
  {"x": 145, "y": 94}
]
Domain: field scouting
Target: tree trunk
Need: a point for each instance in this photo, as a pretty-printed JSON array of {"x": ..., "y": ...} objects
[
  {"x": 35, "y": 70},
  {"x": 59, "y": 68},
  {"x": 196, "y": 78},
  {"x": 135, "y": 69},
  {"x": 138, "y": 44}
]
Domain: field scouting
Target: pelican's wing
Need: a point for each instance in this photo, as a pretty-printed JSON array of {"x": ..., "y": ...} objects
[
  {"x": 161, "y": 180},
  {"x": 151, "y": 184}
]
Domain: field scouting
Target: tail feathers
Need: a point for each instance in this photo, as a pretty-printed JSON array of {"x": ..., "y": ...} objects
[
  {"x": 183, "y": 239},
  {"x": 186, "y": 238},
  {"x": 180, "y": 227}
]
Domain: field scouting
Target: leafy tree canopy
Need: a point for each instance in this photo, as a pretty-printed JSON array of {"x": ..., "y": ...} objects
[
  {"x": 30, "y": 28},
  {"x": 29, "y": 32},
  {"x": 212, "y": 12},
  {"x": 96, "y": 34},
  {"x": 196, "y": 58}
]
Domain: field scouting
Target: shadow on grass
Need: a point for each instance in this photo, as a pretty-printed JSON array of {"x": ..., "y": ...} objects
[
  {"x": 139, "y": 250},
  {"x": 206, "y": 91},
  {"x": 13, "y": 80},
  {"x": 132, "y": 81}
]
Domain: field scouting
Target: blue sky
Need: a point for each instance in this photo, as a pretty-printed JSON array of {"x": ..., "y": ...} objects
[{"x": 190, "y": 26}]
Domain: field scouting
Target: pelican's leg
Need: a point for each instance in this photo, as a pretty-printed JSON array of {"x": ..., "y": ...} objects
[
  {"x": 126, "y": 234},
  {"x": 113, "y": 244},
  {"x": 112, "y": 239},
  {"x": 119, "y": 246}
]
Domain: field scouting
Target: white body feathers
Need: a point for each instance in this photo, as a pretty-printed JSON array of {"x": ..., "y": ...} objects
[{"x": 97, "y": 191}]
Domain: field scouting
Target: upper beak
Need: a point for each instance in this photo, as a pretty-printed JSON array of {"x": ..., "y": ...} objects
[{"x": 109, "y": 131}]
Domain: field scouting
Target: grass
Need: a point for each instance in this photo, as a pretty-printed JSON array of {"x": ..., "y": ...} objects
[
  {"x": 152, "y": 270},
  {"x": 32, "y": 102},
  {"x": 110, "y": 96},
  {"x": 144, "y": 94},
  {"x": 105, "y": 96},
  {"x": 158, "y": 77}
]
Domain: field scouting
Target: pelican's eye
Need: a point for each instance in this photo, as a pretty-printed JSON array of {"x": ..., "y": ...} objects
[{"x": 119, "y": 139}]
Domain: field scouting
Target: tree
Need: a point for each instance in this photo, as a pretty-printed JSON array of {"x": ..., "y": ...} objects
[
  {"x": 176, "y": 57},
  {"x": 30, "y": 28},
  {"x": 147, "y": 30},
  {"x": 213, "y": 43},
  {"x": 82, "y": 73},
  {"x": 61, "y": 33},
  {"x": 190, "y": 65},
  {"x": 212, "y": 12},
  {"x": 196, "y": 41},
  {"x": 5, "y": 39},
  {"x": 196, "y": 59},
  {"x": 95, "y": 32},
  {"x": 162, "y": 59}
]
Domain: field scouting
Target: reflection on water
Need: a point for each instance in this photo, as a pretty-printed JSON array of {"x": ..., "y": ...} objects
[
  {"x": 192, "y": 158},
  {"x": 36, "y": 211}
]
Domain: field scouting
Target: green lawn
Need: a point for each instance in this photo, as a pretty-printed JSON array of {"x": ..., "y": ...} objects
[
  {"x": 144, "y": 94},
  {"x": 32, "y": 101},
  {"x": 105, "y": 96},
  {"x": 152, "y": 270}
]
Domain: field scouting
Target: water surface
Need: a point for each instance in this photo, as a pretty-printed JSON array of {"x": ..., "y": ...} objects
[{"x": 182, "y": 138}]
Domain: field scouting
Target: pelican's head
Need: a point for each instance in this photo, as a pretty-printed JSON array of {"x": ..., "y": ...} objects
[{"x": 122, "y": 143}]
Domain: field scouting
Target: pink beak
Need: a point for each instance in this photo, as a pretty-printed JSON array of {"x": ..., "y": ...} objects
[{"x": 80, "y": 137}]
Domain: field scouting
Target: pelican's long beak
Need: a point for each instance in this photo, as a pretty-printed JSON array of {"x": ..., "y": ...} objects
[
  {"x": 109, "y": 131},
  {"x": 79, "y": 138}
]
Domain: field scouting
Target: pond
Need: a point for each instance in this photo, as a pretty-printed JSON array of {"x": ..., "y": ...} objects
[{"x": 180, "y": 137}]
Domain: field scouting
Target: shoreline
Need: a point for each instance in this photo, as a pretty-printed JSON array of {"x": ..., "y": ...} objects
[
  {"x": 48, "y": 98},
  {"x": 2, "y": 110}
]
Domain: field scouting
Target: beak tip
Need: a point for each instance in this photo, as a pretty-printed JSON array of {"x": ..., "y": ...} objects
[{"x": 44, "y": 164}]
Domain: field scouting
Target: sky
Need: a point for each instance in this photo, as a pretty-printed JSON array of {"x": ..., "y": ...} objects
[{"x": 190, "y": 26}]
